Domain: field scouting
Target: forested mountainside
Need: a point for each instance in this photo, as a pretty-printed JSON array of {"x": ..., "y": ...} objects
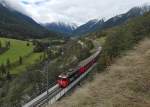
[{"x": 16, "y": 25}]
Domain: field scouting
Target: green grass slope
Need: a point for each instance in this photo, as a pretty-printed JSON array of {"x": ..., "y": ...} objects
[
  {"x": 28, "y": 61},
  {"x": 19, "y": 48},
  {"x": 124, "y": 84}
]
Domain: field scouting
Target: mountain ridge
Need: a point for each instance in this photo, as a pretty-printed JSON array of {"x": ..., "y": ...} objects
[
  {"x": 59, "y": 28},
  {"x": 114, "y": 21},
  {"x": 17, "y": 25},
  {"x": 89, "y": 26}
]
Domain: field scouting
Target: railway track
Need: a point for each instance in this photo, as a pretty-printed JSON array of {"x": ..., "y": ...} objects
[
  {"x": 55, "y": 93},
  {"x": 47, "y": 98},
  {"x": 43, "y": 98}
]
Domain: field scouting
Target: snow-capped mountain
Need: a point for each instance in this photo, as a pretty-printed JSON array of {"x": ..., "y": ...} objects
[
  {"x": 89, "y": 26},
  {"x": 98, "y": 25},
  {"x": 63, "y": 28}
]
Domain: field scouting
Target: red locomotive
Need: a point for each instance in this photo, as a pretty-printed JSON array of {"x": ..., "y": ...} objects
[{"x": 65, "y": 79}]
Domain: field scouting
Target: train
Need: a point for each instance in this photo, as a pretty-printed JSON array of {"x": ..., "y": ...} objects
[{"x": 65, "y": 79}]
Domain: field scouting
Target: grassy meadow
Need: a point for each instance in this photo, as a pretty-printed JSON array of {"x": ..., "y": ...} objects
[
  {"x": 28, "y": 61},
  {"x": 19, "y": 48}
]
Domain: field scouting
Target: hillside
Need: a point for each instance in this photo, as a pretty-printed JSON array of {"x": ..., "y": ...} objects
[
  {"x": 123, "y": 81},
  {"x": 124, "y": 84},
  {"x": 16, "y": 25},
  {"x": 17, "y": 49}
]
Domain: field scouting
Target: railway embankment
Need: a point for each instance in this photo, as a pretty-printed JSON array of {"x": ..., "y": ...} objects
[{"x": 126, "y": 83}]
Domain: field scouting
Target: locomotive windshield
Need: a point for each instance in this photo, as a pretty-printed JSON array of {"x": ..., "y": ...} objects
[{"x": 62, "y": 76}]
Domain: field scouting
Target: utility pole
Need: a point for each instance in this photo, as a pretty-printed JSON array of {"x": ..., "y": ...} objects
[{"x": 46, "y": 69}]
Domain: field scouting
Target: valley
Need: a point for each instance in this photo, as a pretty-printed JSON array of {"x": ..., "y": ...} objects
[{"x": 35, "y": 55}]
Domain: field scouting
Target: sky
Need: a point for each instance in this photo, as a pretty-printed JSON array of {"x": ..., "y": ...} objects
[{"x": 72, "y": 11}]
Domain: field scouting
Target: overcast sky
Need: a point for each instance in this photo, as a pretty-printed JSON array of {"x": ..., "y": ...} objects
[{"x": 72, "y": 11}]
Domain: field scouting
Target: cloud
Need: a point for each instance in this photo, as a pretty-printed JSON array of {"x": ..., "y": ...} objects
[
  {"x": 15, "y": 4},
  {"x": 73, "y": 11}
]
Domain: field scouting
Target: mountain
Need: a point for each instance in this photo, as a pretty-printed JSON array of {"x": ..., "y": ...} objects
[
  {"x": 88, "y": 27},
  {"x": 98, "y": 25},
  {"x": 16, "y": 25},
  {"x": 63, "y": 28}
]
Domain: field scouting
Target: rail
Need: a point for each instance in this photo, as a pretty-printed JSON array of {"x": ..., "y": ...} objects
[{"x": 55, "y": 93}]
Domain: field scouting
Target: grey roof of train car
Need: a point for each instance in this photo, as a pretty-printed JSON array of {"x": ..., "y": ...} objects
[
  {"x": 88, "y": 59},
  {"x": 65, "y": 75}
]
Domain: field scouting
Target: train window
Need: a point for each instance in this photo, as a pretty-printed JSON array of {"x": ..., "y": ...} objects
[{"x": 62, "y": 76}]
